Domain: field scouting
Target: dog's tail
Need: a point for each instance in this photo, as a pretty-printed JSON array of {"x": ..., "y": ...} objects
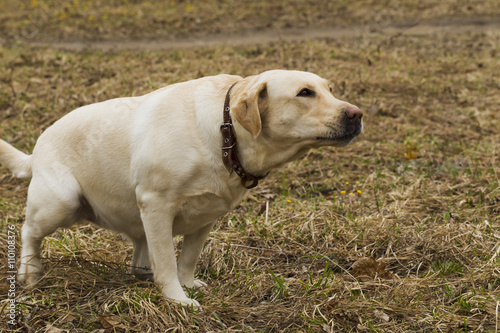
[{"x": 16, "y": 161}]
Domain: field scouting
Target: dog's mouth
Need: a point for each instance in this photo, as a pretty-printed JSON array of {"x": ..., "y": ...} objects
[{"x": 335, "y": 138}]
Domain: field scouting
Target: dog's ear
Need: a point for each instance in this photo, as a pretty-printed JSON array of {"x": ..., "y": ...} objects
[{"x": 251, "y": 100}]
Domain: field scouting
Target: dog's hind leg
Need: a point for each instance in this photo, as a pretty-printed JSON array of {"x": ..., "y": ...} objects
[
  {"x": 141, "y": 265},
  {"x": 53, "y": 202}
]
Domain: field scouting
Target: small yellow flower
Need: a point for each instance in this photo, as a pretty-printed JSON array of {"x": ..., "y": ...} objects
[
  {"x": 342, "y": 192},
  {"x": 288, "y": 207},
  {"x": 357, "y": 182},
  {"x": 359, "y": 191},
  {"x": 347, "y": 183},
  {"x": 303, "y": 213},
  {"x": 289, "y": 201},
  {"x": 351, "y": 194}
]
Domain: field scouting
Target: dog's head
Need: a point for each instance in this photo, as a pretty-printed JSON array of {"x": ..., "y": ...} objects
[{"x": 294, "y": 110}]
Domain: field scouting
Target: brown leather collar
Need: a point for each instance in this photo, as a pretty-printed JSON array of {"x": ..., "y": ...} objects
[{"x": 230, "y": 150}]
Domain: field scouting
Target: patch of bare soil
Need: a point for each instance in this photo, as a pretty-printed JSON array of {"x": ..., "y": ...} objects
[{"x": 251, "y": 37}]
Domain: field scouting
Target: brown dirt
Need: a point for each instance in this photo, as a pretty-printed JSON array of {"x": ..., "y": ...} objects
[{"x": 453, "y": 26}]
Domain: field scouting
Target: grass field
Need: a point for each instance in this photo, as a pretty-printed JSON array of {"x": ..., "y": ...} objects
[{"x": 397, "y": 232}]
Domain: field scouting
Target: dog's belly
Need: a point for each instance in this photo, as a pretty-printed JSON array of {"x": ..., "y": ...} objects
[
  {"x": 118, "y": 214},
  {"x": 121, "y": 214}
]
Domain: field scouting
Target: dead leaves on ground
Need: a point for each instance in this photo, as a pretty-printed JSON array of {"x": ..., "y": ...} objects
[{"x": 366, "y": 269}]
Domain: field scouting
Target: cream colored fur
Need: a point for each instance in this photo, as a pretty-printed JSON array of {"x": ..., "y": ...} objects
[{"x": 150, "y": 166}]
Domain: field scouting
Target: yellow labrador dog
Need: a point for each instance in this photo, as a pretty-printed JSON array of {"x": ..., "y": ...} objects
[{"x": 171, "y": 162}]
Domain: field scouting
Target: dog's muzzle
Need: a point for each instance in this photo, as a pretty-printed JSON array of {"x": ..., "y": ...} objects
[{"x": 352, "y": 122}]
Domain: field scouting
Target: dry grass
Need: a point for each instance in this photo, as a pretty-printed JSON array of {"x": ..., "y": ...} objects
[
  {"x": 111, "y": 20},
  {"x": 294, "y": 256}
]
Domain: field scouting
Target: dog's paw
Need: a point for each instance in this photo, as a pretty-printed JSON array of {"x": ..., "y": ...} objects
[
  {"x": 199, "y": 284},
  {"x": 145, "y": 276},
  {"x": 187, "y": 303},
  {"x": 193, "y": 284},
  {"x": 29, "y": 274},
  {"x": 29, "y": 279}
]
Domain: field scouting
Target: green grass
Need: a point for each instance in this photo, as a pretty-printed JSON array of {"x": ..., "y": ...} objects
[{"x": 426, "y": 165}]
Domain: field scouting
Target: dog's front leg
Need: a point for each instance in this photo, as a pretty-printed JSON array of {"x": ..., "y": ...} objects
[
  {"x": 191, "y": 249},
  {"x": 158, "y": 216}
]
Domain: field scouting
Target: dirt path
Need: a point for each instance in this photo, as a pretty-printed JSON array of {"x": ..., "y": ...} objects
[{"x": 293, "y": 34}]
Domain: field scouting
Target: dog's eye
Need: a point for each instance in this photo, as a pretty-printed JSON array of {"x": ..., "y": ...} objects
[{"x": 306, "y": 93}]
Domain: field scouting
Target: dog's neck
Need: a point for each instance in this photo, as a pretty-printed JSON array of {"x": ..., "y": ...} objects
[
  {"x": 259, "y": 155},
  {"x": 256, "y": 156},
  {"x": 230, "y": 156}
]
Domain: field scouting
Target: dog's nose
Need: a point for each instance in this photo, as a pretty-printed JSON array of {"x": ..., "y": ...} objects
[{"x": 353, "y": 112}]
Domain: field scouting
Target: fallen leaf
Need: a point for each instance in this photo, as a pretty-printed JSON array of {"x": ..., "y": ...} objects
[
  {"x": 108, "y": 322},
  {"x": 366, "y": 269},
  {"x": 381, "y": 315},
  {"x": 411, "y": 155},
  {"x": 50, "y": 328}
]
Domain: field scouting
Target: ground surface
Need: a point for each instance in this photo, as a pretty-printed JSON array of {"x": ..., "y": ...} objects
[{"x": 398, "y": 232}]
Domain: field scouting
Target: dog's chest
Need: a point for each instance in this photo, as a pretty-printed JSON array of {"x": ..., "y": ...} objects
[{"x": 198, "y": 211}]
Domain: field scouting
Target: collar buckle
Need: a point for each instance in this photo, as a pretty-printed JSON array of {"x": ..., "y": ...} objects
[{"x": 225, "y": 126}]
